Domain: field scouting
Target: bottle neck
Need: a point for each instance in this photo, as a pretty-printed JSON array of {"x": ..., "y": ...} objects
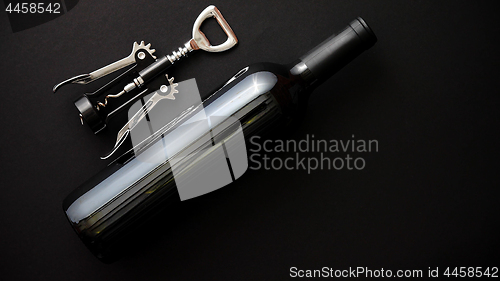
[
  {"x": 300, "y": 70},
  {"x": 334, "y": 53}
]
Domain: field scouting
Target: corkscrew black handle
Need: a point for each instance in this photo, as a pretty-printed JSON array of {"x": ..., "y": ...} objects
[{"x": 338, "y": 50}]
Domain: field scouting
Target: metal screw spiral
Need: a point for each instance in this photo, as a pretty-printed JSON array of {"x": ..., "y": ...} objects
[{"x": 100, "y": 104}]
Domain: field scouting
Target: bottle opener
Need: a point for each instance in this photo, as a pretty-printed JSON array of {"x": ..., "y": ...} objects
[{"x": 144, "y": 68}]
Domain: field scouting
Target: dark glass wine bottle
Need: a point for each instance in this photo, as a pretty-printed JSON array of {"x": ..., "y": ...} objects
[{"x": 261, "y": 97}]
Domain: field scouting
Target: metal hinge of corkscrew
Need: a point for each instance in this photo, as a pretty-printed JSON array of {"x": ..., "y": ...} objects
[{"x": 142, "y": 76}]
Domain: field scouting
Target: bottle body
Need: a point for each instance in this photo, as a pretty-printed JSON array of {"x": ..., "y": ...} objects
[
  {"x": 259, "y": 98},
  {"x": 132, "y": 187}
]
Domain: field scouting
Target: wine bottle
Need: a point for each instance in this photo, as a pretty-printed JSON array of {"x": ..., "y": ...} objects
[{"x": 106, "y": 207}]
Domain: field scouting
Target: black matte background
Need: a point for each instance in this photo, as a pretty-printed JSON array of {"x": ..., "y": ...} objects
[{"x": 428, "y": 92}]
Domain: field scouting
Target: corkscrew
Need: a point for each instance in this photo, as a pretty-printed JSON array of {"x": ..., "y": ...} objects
[{"x": 142, "y": 75}]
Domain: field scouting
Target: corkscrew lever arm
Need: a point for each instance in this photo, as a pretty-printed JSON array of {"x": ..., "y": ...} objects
[
  {"x": 108, "y": 69},
  {"x": 165, "y": 92}
]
